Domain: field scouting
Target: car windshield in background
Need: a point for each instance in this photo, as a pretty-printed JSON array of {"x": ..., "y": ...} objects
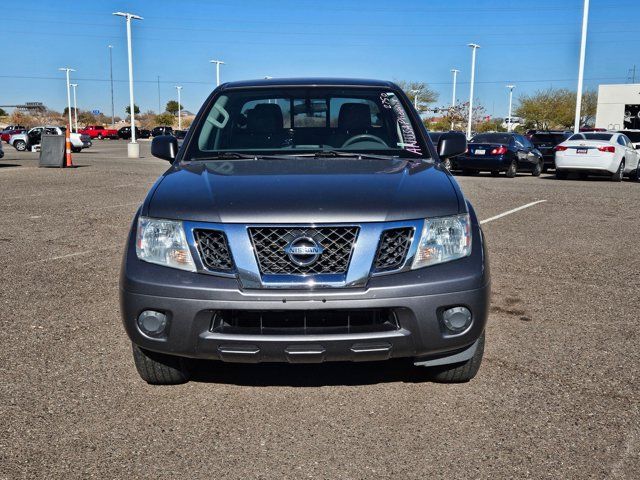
[
  {"x": 548, "y": 138},
  {"x": 491, "y": 138},
  {"x": 295, "y": 120},
  {"x": 592, "y": 136},
  {"x": 633, "y": 136}
]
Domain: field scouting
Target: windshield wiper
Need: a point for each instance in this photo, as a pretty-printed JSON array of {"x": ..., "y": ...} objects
[
  {"x": 234, "y": 156},
  {"x": 347, "y": 154}
]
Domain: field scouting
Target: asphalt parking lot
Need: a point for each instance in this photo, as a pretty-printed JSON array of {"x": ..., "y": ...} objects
[{"x": 557, "y": 395}]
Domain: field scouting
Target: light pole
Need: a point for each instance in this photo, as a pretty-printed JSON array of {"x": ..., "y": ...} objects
[
  {"x": 415, "y": 98},
  {"x": 67, "y": 69},
  {"x": 218, "y": 63},
  {"x": 474, "y": 47},
  {"x": 75, "y": 107},
  {"x": 113, "y": 110},
  {"x": 510, "y": 122},
  {"x": 133, "y": 149},
  {"x": 453, "y": 95},
  {"x": 583, "y": 47},
  {"x": 178, "y": 87}
]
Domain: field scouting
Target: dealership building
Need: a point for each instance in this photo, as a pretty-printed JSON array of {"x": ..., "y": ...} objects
[{"x": 618, "y": 106}]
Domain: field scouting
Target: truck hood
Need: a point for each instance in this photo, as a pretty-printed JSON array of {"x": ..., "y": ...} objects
[{"x": 303, "y": 190}]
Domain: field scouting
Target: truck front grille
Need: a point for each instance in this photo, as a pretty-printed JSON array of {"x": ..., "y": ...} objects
[
  {"x": 269, "y": 244},
  {"x": 214, "y": 250},
  {"x": 392, "y": 249},
  {"x": 303, "y": 322}
]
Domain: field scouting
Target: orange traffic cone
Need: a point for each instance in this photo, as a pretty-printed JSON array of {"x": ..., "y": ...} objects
[{"x": 68, "y": 160}]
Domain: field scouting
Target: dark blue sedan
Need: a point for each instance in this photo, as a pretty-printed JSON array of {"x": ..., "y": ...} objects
[{"x": 500, "y": 152}]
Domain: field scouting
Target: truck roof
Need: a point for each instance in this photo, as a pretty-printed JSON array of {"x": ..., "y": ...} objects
[{"x": 310, "y": 82}]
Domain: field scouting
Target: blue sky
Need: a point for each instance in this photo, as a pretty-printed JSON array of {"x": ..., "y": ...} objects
[{"x": 532, "y": 43}]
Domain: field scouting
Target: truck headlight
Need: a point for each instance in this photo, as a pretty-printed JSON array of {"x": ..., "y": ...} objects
[
  {"x": 442, "y": 240},
  {"x": 163, "y": 242}
]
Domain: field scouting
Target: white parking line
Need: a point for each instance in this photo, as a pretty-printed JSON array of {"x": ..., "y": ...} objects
[{"x": 509, "y": 212}]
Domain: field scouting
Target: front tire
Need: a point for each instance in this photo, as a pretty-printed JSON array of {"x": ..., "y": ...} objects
[
  {"x": 99, "y": 136},
  {"x": 459, "y": 372},
  {"x": 512, "y": 171},
  {"x": 617, "y": 177},
  {"x": 537, "y": 170},
  {"x": 158, "y": 368},
  {"x": 20, "y": 145}
]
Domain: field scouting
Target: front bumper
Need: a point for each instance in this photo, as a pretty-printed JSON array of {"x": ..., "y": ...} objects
[{"x": 416, "y": 297}]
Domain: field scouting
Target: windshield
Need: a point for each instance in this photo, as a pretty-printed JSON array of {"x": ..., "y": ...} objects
[
  {"x": 492, "y": 138},
  {"x": 548, "y": 138},
  {"x": 289, "y": 121},
  {"x": 591, "y": 136}
]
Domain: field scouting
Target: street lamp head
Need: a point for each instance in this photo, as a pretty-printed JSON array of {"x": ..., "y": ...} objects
[
  {"x": 128, "y": 15},
  {"x": 511, "y": 87},
  {"x": 474, "y": 45},
  {"x": 219, "y": 62},
  {"x": 455, "y": 70},
  {"x": 73, "y": 84},
  {"x": 66, "y": 69}
]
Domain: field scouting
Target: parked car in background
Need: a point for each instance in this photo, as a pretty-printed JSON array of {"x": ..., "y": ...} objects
[
  {"x": 597, "y": 153},
  {"x": 25, "y": 141},
  {"x": 633, "y": 135},
  {"x": 180, "y": 134},
  {"x": 1, "y": 151},
  {"x": 99, "y": 132},
  {"x": 125, "y": 133},
  {"x": 545, "y": 141},
  {"x": 5, "y": 135},
  {"x": 157, "y": 131},
  {"x": 500, "y": 152}
]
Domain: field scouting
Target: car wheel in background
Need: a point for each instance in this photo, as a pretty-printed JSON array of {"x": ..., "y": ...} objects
[
  {"x": 513, "y": 169},
  {"x": 537, "y": 170},
  {"x": 467, "y": 171},
  {"x": 76, "y": 149},
  {"x": 495, "y": 173},
  {"x": 20, "y": 145},
  {"x": 99, "y": 136},
  {"x": 158, "y": 368},
  {"x": 561, "y": 174},
  {"x": 545, "y": 169},
  {"x": 617, "y": 177},
  {"x": 635, "y": 175}
]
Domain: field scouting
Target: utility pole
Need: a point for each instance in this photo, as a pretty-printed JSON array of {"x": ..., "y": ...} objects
[
  {"x": 133, "y": 149},
  {"x": 75, "y": 106},
  {"x": 113, "y": 110},
  {"x": 583, "y": 46},
  {"x": 453, "y": 95},
  {"x": 510, "y": 87},
  {"x": 218, "y": 63},
  {"x": 178, "y": 87},
  {"x": 159, "y": 104},
  {"x": 474, "y": 47},
  {"x": 67, "y": 69}
]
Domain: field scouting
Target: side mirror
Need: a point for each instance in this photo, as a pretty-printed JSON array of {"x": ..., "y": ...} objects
[
  {"x": 165, "y": 147},
  {"x": 452, "y": 144}
]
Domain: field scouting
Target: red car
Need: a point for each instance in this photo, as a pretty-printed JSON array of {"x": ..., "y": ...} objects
[
  {"x": 99, "y": 132},
  {"x": 5, "y": 135}
]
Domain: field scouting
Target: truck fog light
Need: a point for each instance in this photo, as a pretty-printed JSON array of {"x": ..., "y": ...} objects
[
  {"x": 456, "y": 319},
  {"x": 152, "y": 323}
]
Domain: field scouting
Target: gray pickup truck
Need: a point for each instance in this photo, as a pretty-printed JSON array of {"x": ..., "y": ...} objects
[{"x": 306, "y": 220}]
